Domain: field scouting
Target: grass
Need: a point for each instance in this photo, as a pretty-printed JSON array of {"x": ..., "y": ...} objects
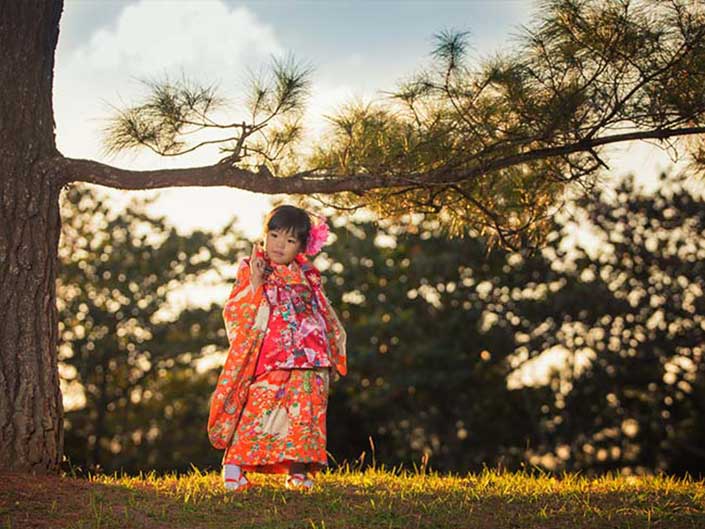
[{"x": 349, "y": 498}]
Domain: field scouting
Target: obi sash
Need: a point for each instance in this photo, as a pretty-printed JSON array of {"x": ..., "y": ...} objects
[{"x": 295, "y": 336}]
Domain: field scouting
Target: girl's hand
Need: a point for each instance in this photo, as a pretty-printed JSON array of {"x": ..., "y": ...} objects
[{"x": 256, "y": 268}]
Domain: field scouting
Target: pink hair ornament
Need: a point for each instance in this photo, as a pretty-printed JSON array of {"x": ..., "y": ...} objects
[{"x": 318, "y": 235}]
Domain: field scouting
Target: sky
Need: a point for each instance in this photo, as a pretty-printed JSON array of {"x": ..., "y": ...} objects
[{"x": 357, "y": 50}]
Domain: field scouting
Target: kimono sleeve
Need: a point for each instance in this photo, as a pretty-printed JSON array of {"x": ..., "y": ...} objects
[
  {"x": 242, "y": 301},
  {"x": 245, "y": 314}
]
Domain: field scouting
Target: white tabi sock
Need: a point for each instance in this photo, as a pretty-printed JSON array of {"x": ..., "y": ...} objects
[{"x": 231, "y": 472}]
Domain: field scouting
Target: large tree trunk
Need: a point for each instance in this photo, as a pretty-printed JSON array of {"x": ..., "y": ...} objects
[{"x": 31, "y": 423}]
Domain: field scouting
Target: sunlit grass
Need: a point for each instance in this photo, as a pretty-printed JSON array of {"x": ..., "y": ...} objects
[
  {"x": 377, "y": 497},
  {"x": 414, "y": 498}
]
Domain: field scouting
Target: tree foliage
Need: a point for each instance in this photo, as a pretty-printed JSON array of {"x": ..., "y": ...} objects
[
  {"x": 635, "y": 310},
  {"x": 576, "y": 358},
  {"x": 129, "y": 355},
  {"x": 488, "y": 148},
  {"x": 438, "y": 335}
]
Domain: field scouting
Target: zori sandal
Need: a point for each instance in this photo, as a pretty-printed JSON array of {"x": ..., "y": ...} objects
[
  {"x": 237, "y": 484},
  {"x": 298, "y": 482},
  {"x": 234, "y": 478}
]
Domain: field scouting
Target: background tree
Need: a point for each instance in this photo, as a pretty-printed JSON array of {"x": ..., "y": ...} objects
[
  {"x": 426, "y": 377},
  {"x": 438, "y": 332},
  {"x": 124, "y": 347},
  {"x": 536, "y": 115},
  {"x": 630, "y": 319}
]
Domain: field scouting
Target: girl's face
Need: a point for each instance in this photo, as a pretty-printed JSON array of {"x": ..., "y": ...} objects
[{"x": 281, "y": 246}]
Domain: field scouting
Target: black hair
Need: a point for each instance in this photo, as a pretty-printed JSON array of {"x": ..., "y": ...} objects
[{"x": 290, "y": 219}]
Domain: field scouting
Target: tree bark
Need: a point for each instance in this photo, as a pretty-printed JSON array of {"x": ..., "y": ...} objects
[{"x": 31, "y": 427}]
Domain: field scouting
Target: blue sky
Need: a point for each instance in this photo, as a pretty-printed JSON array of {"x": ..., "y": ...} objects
[
  {"x": 328, "y": 30},
  {"x": 357, "y": 49}
]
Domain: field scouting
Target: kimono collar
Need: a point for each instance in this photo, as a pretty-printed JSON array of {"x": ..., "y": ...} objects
[{"x": 289, "y": 275}]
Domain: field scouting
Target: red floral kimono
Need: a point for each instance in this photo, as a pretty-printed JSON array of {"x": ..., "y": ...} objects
[{"x": 269, "y": 406}]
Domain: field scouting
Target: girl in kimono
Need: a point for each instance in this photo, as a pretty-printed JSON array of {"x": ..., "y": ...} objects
[{"x": 268, "y": 411}]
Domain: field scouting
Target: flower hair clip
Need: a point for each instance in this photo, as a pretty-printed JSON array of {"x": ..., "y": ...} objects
[{"x": 317, "y": 236}]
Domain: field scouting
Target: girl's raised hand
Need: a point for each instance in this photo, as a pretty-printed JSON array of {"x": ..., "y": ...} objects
[{"x": 256, "y": 268}]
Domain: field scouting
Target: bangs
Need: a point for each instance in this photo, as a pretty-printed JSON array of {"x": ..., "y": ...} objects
[{"x": 290, "y": 219}]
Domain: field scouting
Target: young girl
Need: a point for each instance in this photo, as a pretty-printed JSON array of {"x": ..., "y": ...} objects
[{"x": 268, "y": 411}]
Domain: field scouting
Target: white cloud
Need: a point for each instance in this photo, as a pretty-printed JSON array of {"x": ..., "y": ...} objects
[
  {"x": 207, "y": 41},
  {"x": 206, "y": 38}
]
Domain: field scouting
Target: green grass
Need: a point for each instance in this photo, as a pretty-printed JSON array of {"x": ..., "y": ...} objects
[{"x": 348, "y": 498}]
